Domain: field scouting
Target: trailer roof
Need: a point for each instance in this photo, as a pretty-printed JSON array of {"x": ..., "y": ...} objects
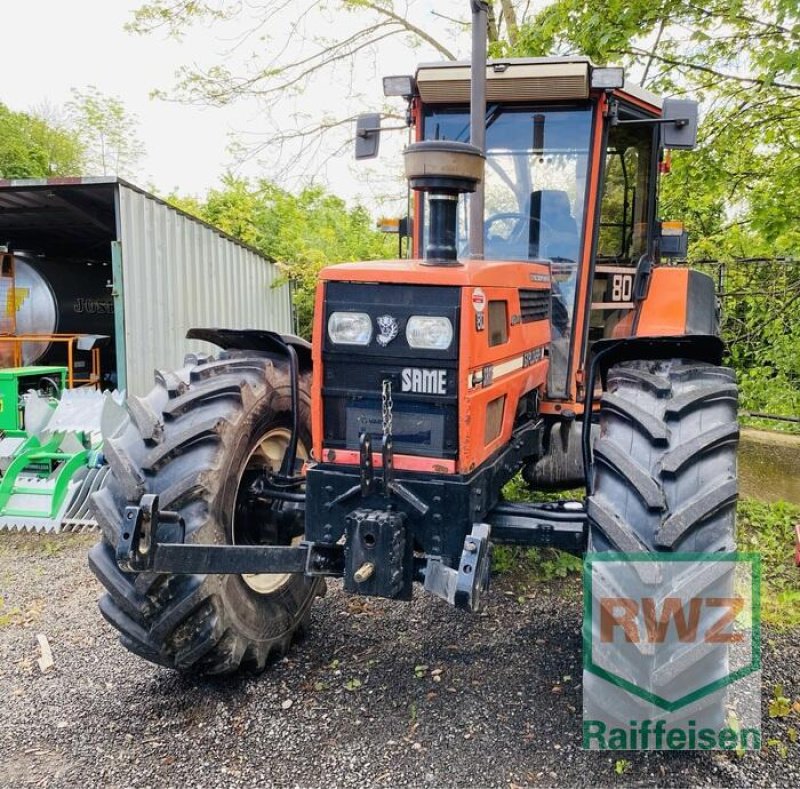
[{"x": 71, "y": 215}]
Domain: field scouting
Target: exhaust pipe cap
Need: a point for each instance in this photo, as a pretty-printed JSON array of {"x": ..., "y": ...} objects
[{"x": 444, "y": 166}]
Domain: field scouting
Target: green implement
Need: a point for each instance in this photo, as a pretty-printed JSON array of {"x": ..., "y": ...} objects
[{"x": 50, "y": 457}]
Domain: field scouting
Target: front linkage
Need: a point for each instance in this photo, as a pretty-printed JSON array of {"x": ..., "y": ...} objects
[
  {"x": 376, "y": 561},
  {"x": 376, "y": 556}
]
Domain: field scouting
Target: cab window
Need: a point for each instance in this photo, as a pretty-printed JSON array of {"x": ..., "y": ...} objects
[{"x": 625, "y": 221}]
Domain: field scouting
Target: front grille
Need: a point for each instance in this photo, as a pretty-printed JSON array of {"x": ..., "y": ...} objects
[
  {"x": 534, "y": 305},
  {"x": 425, "y": 418},
  {"x": 418, "y": 428}
]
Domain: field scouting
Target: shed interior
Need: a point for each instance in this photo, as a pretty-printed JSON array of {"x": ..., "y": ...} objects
[{"x": 61, "y": 233}]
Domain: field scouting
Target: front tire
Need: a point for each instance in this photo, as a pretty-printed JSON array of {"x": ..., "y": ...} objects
[
  {"x": 192, "y": 441},
  {"x": 665, "y": 481}
]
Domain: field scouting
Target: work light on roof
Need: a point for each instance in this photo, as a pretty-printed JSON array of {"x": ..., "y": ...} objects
[
  {"x": 608, "y": 78},
  {"x": 399, "y": 86}
]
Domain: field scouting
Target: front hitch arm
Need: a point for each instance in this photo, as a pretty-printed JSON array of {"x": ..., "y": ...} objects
[{"x": 152, "y": 540}]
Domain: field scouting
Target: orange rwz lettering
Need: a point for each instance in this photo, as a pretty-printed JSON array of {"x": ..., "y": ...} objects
[
  {"x": 623, "y": 612},
  {"x": 624, "y": 619},
  {"x": 715, "y": 634},
  {"x": 671, "y": 609}
]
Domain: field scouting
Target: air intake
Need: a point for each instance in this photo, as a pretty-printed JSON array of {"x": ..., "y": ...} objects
[{"x": 443, "y": 170}]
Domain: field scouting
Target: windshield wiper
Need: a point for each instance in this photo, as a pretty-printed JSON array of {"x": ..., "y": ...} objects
[{"x": 492, "y": 114}]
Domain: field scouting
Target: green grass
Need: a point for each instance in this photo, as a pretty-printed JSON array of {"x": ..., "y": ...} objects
[
  {"x": 768, "y": 529},
  {"x": 534, "y": 564},
  {"x": 774, "y": 425}
]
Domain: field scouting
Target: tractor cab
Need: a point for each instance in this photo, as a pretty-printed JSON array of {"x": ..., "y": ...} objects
[{"x": 573, "y": 156}]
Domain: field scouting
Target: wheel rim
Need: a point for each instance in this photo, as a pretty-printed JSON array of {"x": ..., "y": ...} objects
[{"x": 267, "y": 454}]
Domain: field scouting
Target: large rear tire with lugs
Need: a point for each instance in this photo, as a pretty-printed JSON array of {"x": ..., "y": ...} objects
[
  {"x": 195, "y": 440},
  {"x": 665, "y": 482}
]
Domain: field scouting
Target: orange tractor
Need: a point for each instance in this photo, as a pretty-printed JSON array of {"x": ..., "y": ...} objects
[{"x": 536, "y": 329}]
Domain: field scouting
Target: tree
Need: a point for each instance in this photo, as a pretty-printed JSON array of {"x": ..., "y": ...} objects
[
  {"x": 288, "y": 49},
  {"x": 108, "y": 132},
  {"x": 32, "y": 147},
  {"x": 301, "y": 232}
]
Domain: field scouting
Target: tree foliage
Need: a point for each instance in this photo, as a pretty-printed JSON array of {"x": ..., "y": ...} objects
[
  {"x": 108, "y": 132},
  {"x": 302, "y": 232},
  {"x": 30, "y": 147}
]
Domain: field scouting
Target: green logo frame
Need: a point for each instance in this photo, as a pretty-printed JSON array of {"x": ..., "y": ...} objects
[{"x": 754, "y": 559}]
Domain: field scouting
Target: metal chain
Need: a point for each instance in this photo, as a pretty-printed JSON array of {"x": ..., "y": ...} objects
[{"x": 387, "y": 406}]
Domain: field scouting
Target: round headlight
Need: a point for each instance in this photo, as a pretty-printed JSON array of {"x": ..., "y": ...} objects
[
  {"x": 350, "y": 328},
  {"x": 432, "y": 332}
]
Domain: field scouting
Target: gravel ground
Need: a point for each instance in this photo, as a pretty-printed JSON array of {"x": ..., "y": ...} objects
[{"x": 497, "y": 704}]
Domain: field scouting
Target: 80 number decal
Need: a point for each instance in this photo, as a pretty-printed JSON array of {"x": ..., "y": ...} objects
[{"x": 621, "y": 287}]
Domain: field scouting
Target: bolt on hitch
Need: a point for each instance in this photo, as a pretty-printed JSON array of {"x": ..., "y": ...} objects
[{"x": 465, "y": 586}]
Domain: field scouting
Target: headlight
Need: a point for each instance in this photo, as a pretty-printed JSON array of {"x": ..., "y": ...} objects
[
  {"x": 350, "y": 328},
  {"x": 424, "y": 331}
]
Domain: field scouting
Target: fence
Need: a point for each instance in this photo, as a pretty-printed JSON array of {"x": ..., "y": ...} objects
[{"x": 760, "y": 322}]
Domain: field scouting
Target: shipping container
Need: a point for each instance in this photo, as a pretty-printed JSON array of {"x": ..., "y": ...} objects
[{"x": 102, "y": 256}]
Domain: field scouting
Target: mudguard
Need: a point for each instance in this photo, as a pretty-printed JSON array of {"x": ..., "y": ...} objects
[{"x": 256, "y": 340}]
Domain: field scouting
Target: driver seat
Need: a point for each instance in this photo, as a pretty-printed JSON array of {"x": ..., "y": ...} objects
[{"x": 552, "y": 225}]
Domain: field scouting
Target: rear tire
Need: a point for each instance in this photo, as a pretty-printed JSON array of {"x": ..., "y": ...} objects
[
  {"x": 665, "y": 481},
  {"x": 190, "y": 441}
]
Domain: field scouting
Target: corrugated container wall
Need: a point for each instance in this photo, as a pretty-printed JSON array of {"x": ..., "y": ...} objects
[{"x": 177, "y": 274}]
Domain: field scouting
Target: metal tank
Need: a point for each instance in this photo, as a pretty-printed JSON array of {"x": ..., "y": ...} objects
[{"x": 63, "y": 296}]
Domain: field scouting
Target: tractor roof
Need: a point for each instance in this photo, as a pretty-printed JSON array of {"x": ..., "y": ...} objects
[{"x": 517, "y": 79}]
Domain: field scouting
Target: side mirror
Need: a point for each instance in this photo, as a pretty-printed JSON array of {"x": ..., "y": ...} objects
[
  {"x": 368, "y": 135},
  {"x": 681, "y": 130}
]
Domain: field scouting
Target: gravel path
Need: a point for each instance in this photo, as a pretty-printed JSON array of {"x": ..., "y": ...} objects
[{"x": 379, "y": 694}]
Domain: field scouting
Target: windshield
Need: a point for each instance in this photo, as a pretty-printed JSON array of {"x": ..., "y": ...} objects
[{"x": 535, "y": 186}]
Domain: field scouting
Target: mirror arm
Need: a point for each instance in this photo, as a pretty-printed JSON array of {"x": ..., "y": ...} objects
[
  {"x": 679, "y": 122},
  {"x": 613, "y": 115},
  {"x": 364, "y": 133}
]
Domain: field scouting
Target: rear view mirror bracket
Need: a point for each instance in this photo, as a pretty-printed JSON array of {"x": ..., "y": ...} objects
[
  {"x": 678, "y": 122},
  {"x": 368, "y": 134}
]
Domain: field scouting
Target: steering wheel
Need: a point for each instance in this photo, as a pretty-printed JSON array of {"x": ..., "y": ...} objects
[
  {"x": 503, "y": 216},
  {"x": 519, "y": 237}
]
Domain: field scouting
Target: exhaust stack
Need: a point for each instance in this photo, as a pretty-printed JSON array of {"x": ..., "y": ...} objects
[
  {"x": 444, "y": 169},
  {"x": 477, "y": 120}
]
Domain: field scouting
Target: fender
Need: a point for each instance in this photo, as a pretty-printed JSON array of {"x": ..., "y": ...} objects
[
  {"x": 287, "y": 347},
  {"x": 607, "y": 353},
  {"x": 269, "y": 342},
  {"x": 678, "y": 301}
]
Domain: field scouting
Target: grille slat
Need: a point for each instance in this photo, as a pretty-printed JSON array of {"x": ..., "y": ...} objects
[{"x": 534, "y": 305}]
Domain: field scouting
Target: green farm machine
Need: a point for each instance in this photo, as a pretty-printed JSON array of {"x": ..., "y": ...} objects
[{"x": 50, "y": 441}]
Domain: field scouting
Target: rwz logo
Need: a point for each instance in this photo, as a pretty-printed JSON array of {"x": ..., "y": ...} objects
[{"x": 623, "y": 612}]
